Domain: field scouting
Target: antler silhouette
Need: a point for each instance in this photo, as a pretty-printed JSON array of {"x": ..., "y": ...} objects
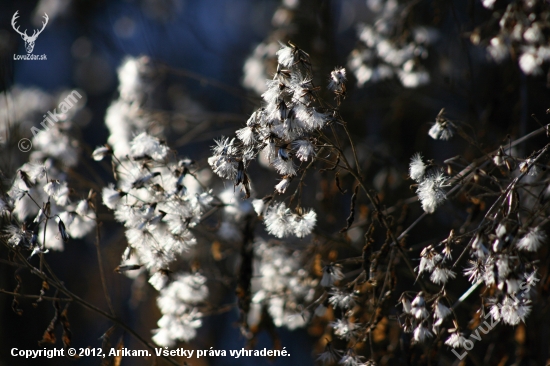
[
  {"x": 13, "y": 19},
  {"x": 24, "y": 34},
  {"x": 36, "y": 33}
]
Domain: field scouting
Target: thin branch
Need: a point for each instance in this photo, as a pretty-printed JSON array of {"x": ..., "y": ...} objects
[
  {"x": 59, "y": 285},
  {"x": 17, "y": 294},
  {"x": 100, "y": 264}
]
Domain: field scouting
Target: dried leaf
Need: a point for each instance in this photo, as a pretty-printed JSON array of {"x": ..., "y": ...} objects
[
  {"x": 118, "y": 358},
  {"x": 337, "y": 180},
  {"x": 43, "y": 290},
  {"x": 49, "y": 333},
  {"x": 215, "y": 249},
  {"x": 245, "y": 275},
  {"x": 129, "y": 267},
  {"x": 15, "y": 303},
  {"x": 351, "y": 216},
  {"x": 106, "y": 347},
  {"x": 333, "y": 167},
  {"x": 67, "y": 334},
  {"x": 520, "y": 334}
]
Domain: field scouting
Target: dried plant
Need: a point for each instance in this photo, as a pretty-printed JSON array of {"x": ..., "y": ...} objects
[{"x": 383, "y": 261}]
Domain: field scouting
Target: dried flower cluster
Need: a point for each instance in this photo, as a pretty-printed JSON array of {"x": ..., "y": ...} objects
[
  {"x": 43, "y": 210},
  {"x": 498, "y": 248},
  {"x": 334, "y": 241},
  {"x": 284, "y": 134},
  {"x": 282, "y": 286},
  {"x": 523, "y": 31},
  {"x": 384, "y": 53},
  {"x": 431, "y": 183},
  {"x": 158, "y": 200}
]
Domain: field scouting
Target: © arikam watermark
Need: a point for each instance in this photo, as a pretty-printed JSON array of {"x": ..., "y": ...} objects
[{"x": 51, "y": 118}]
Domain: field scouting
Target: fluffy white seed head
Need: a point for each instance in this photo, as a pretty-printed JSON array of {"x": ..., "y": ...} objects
[{"x": 417, "y": 168}]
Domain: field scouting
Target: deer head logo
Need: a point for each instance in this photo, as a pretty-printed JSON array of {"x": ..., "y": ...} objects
[{"x": 29, "y": 40}]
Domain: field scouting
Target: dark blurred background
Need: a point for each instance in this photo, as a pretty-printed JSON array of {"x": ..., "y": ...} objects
[{"x": 198, "y": 49}]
